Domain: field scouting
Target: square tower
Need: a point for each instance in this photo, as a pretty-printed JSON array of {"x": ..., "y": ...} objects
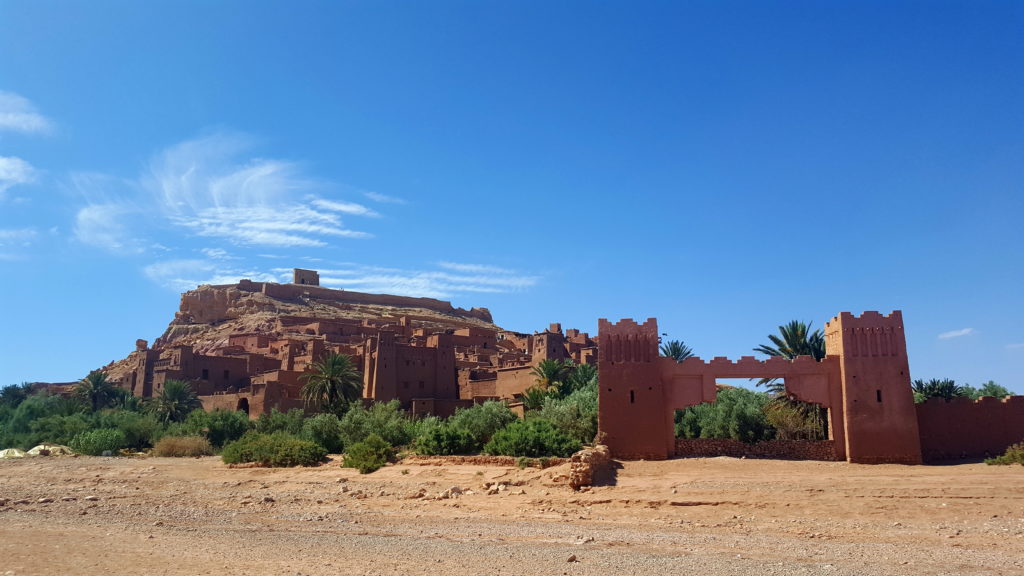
[
  {"x": 306, "y": 277},
  {"x": 878, "y": 404}
]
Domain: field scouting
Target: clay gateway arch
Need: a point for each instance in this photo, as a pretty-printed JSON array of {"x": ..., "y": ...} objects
[{"x": 864, "y": 382}]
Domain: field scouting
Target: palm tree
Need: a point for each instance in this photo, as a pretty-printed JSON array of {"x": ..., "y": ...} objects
[
  {"x": 796, "y": 339},
  {"x": 676, "y": 350},
  {"x": 550, "y": 373},
  {"x": 936, "y": 388},
  {"x": 174, "y": 402},
  {"x": 533, "y": 398},
  {"x": 333, "y": 384},
  {"x": 584, "y": 375},
  {"x": 95, "y": 390}
]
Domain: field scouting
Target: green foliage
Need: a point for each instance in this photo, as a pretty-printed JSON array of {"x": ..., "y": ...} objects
[
  {"x": 95, "y": 390},
  {"x": 575, "y": 415},
  {"x": 277, "y": 421},
  {"x": 483, "y": 420},
  {"x": 333, "y": 385},
  {"x": 95, "y": 442},
  {"x": 386, "y": 419},
  {"x": 531, "y": 438},
  {"x": 533, "y": 398},
  {"x": 17, "y": 430},
  {"x": 1013, "y": 455},
  {"x": 989, "y": 388},
  {"x": 551, "y": 373},
  {"x": 277, "y": 450},
  {"x": 369, "y": 455},
  {"x": 13, "y": 395},
  {"x": 57, "y": 429},
  {"x": 794, "y": 339},
  {"x": 174, "y": 402},
  {"x": 738, "y": 413},
  {"x": 220, "y": 426},
  {"x": 183, "y": 447},
  {"x": 936, "y": 388},
  {"x": 325, "y": 430},
  {"x": 445, "y": 439},
  {"x": 794, "y": 420},
  {"x": 583, "y": 376},
  {"x": 140, "y": 430},
  {"x": 676, "y": 350}
]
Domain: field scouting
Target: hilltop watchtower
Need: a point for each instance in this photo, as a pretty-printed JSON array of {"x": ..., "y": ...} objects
[{"x": 306, "y": 277}]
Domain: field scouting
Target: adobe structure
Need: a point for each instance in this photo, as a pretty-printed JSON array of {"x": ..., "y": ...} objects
[
  {"x": 863, "y": 381},
  {"x": 246, "y": 346}
]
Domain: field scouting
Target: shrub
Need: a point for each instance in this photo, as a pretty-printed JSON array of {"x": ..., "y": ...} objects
[
  {"x": 368, "y": 455},
  {"x": 738, "y": 414},
  {"x": 445, "y": 439},
  {"x": 183, "y": 446},
  {"x": 325, "y": 430},
  {"x": 1013, "y": 455},
  {"x": 531, "y": 438},
  {"x": 483, "y": 420},
  {"x": 385, "y": 419},
  {"x": 96, "y": 442},
  {"x": 278, "y": 450},
  {"x": 219, "y": 426},
  {"x": 277, "y": 421},
  {"x": 575, "y": 415},
  {"x": 140, "y": 430},
  {"x": 57, "y": 429}
]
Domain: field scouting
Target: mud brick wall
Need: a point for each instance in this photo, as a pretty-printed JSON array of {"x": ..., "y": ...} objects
[
  {"x": 777, "y": 449},
  {"x": 960, "y": 428}
]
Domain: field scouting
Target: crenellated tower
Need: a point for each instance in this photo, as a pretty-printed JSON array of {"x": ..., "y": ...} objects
[{"x": 878, "y": 404}]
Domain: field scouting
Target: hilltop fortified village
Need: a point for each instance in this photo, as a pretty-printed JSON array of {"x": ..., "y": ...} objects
[{"x": 245, "y": 346}]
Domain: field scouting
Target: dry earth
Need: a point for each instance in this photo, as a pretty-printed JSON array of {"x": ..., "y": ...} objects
[{"x": 703, "y": 516}]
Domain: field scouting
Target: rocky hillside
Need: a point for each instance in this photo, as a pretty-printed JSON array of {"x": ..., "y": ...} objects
[{"x": 208, "y": 315}]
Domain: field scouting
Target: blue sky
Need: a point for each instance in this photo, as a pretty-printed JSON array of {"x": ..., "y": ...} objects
[{"x": 723, "y": 166}]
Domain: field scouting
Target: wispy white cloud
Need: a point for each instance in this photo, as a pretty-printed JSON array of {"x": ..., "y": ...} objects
[
  {"x": 427, "y": 283},
  {"x": 18, "y": 114},
  {"x": 15, "y": 242},
  {"x": 14, "y": 171},
  {"x": 186, "y": 274},
  {"x": 345, "y": 207},
  {"x": 216, "y": 253},
  {"x": 202, "y": 186},
  {"x": 474, "y": 268},
  {"x": 1015, "y": 345},
  {"x": 956, "y": 333},
  {"x": 108, "y": 226},
  {"x": 383, "y": 198}
]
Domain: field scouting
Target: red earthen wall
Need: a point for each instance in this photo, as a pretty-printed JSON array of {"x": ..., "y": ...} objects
[{"x": 961, "y": 428}]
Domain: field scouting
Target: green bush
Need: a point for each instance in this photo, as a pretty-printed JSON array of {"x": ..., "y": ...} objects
[
  {"x": 368, "y": 455},
  {"x": 325, "y": 430},
  {"x": 183, "y": 447},
  {"x": 531, "y": 438},
  {"x": 290, "y": 422},
  {"x": 219, "y": 426},
  {"x": 58, "y": 429},
  {"x": 1013, "y": 455},
  {"x": 483, "y": 420},
  {"x": 277, "y": 450},
  {"x": 140, "y": 430},
  {"x": 738, "y": 414},
  {"x": 96, "y": 442},
  {"x": 575, "y": 415},
  {"x": 385, "y": 419},
  {"x": 445, "y": 439}
]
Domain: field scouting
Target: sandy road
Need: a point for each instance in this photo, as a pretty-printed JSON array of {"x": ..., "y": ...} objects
[{"x": 713, "y": 516}]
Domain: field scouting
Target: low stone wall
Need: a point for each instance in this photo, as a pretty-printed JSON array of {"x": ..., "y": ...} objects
[
  {"x": 481, "y": 461},
  {"x": 774, "y": 449}
]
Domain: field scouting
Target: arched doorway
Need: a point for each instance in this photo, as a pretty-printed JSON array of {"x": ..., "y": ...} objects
[{"x": 243, "y": 405}]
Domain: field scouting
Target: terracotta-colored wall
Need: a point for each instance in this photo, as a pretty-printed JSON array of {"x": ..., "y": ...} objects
[
  {"x": 513, "y": 382},
  {"x": 961, "y": 428},
  {"x": 878, "y": 404}
]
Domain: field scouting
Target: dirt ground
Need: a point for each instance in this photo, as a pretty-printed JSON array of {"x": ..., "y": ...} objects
[{"x": 708, "y": 516}]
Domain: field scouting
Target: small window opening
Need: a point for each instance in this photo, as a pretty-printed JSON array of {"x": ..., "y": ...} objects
[
  {"x": 878, "y": 396},
  {"x": 227, "y": 374},
  {"x": 206, "y": 374},
  {"x": 632, "y": 397}
]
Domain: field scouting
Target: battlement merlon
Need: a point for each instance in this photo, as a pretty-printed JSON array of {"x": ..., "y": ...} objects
[{"x": 868, "y": 318}]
